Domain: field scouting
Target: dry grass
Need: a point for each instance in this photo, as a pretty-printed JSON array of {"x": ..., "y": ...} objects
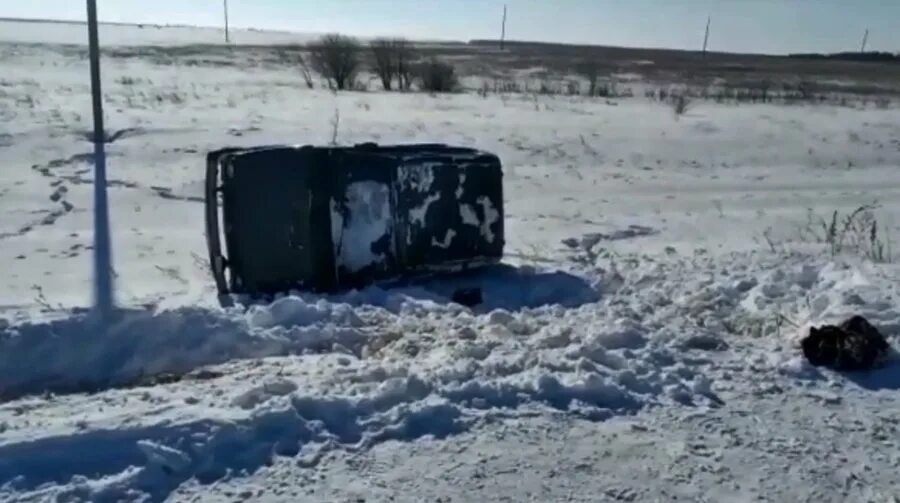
[
  {"x": 679, "y": 104},
  {"x": 128, "y": 80},
  {"x": 679, "y": 101},
  {"x": 857, "y": 233}
]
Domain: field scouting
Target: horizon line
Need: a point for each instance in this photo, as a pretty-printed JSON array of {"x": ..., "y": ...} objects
[{"x": 447, "y": 41}]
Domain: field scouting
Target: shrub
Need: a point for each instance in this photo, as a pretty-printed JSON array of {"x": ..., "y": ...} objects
[
  {"x": 590, "y": 70},
  {"x": 883, "y": 102},
  {"x": 506, "y": 86},
  {"x": 857, "y": 232},
  {"x": 484, "y": 89},
  {"x": 436, "y": 76},
  {"x": 679, "y": 104},
  {"x": 336, "y": 57},
  {"x": 304, "y": 68},
  {"x": 391, "y": 60}
]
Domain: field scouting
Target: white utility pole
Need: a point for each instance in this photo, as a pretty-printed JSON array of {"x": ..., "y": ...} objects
[{"x": 103, "y": 283}]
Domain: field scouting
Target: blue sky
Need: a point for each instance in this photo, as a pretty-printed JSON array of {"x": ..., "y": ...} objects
[{"x": 771, "y": 26}]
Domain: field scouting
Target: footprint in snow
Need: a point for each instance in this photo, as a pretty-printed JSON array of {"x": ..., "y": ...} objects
[{"x": 268, "y": 390}]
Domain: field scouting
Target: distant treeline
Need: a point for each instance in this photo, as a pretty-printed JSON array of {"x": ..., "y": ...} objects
[
  {"x": 871, "y": 56},
  {"x": 881, "y": 57}
]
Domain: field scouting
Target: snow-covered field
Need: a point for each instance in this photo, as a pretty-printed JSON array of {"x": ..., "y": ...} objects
[
  {"x": 39, "y": 32},
  {"x": 638, "y": 345}
]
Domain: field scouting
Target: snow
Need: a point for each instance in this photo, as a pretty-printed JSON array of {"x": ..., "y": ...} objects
[
  {"x": 418, "y": 176},
  {"x": 491, "y": 216},
  {"x": 468, "y": 215},
  {"x": 367, "y": 222},
  {"x": 427, "y": 370},
  {"x": 417, "y": 215},
  {"x": 639, "y": 343}
]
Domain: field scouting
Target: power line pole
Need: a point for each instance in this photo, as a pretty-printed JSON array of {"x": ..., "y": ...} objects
[
  {"x": 225, "y": 4},
  {"x": 706, "y": 36},
  {"x": 503, "y": 29},
  {"x": 103, "y": 284},
  {"x": 865, "y": 39}
]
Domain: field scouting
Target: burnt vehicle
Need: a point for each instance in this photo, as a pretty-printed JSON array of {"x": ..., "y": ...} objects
[{"x": 332, "y": 218}]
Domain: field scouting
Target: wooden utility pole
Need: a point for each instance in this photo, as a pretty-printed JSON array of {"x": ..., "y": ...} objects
[
  {"x": 865, "y": 39},
  {"x": 225, "y": 2},
  {"x": 706, "y": 36},
  {"x": 103, "y": 284},
  {"x": 503, "y": 29}
]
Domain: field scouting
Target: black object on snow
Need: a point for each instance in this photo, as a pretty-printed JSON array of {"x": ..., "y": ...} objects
[
  {"x": 331, "y": 218},
  {"x": 853, "y": 345},
  {"x": 469, "y": 297}
]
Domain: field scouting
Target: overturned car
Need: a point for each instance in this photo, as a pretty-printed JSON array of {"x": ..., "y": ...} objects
[{"x": 332, "y": 218}]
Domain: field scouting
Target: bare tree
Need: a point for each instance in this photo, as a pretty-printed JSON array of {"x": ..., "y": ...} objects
[
  {"x": 405, "y": 55},
  {"x": 384, "y": 61},
  {"x": 307, "y": 75},
  {"x": 392, "y": 60},
  {"x": 590, "y": 69},
  {"x": 337, "y": 58},
  {"x": 294, "y": 56}
]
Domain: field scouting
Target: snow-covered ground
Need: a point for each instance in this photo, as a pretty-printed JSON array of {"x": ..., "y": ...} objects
[{"x": 638, "y": 345}]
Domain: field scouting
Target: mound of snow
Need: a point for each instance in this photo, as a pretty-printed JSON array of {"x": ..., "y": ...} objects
[
  {"x": 667, "y": 334},
  {"x": 79, "y": 354}
]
